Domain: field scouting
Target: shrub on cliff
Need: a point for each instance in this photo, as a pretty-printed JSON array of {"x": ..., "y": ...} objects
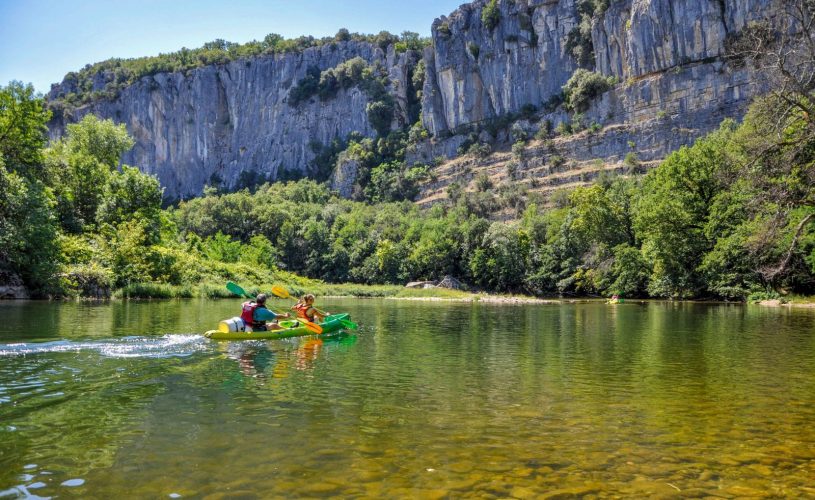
[
  {"x": 583, "y": 87},
  {"x": 491, "y": 15}
]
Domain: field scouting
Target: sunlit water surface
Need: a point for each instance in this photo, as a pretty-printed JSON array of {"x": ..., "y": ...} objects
[{"x": 426, "y": 400}]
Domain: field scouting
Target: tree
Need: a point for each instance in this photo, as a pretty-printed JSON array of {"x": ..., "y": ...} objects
[
  {"x": 23, "y": 119},
  {"x": 132, "y": 195},
  {"x": 778, "y": 137},
  {"x": 79, "y": 168},
  {"x": 28, "y": 231},
  {"x": 491, "y": 15},
  {"x": 674, "y": 208}
]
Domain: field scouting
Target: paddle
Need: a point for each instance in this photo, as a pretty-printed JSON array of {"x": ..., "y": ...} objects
[
  {"x": 238, "y": 290},
  {"x": 349, "y": 324}
]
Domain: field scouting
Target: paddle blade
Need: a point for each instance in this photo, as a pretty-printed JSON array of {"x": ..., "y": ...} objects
[
  {"x": 236, "y": 289},
  {"x": 349, "y": 324},
  {"x": 314, "y": 327},
  {"x": 281, "y": 292}
]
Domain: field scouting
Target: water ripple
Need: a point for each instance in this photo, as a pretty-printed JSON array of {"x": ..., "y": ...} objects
[{"x": 170, "y": 345}]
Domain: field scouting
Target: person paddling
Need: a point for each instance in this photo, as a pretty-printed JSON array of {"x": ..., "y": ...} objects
[
  {"x": 255, "y": 315},
  {"x": 305, "y": 309}
]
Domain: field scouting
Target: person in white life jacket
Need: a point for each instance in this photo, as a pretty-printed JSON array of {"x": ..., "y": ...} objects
[{"x": 255, "y": 315}]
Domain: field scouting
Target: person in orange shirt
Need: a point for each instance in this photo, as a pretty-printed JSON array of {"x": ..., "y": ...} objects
[{"x": 305, "y": 309}]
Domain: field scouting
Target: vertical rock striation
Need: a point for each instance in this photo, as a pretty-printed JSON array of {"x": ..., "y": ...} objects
[
  {"x": 475, "y": 73},
  {"x": 228, "y": 123},
  {"x": 667, "y": 57}
]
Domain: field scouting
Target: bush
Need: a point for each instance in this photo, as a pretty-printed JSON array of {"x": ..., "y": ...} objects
[
  {"x": 474, "y": 50},
  {"x": 563, "y": 128},
  {"x": 483, "y": 182},
  {"x": 583, "y": 87},
  {"x": 544, "y": 130},
  {"x": 519, "y": 150},
  {"x": 631, "y": 161},
  {"x": 380, "y": 115},
  {"x": 517, "y": 133},
  {"x": 512, "y": 170},
  {"x": 479, "y": 150},
  {"x": 88, "y": 280},
  {"x": 491, "y": 15}
]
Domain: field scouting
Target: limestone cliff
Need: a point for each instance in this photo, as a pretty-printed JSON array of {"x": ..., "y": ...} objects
[
  {"x": 224, "y": 124},
  {"x": 666, "y": 55},
  {"x": 673, "y": 85}
]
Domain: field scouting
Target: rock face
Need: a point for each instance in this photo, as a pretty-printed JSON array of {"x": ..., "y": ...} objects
[
  {"x": 667, "y": 57},
  {"x": 229, "y": 123},
  {"x": 474, "y": 73},
  {"x": 344, "y": 177}
]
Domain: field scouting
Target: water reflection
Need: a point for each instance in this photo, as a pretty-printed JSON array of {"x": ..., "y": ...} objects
[
  {"x": 255, "y": 359},
  {"x": 427, "y": 400}
]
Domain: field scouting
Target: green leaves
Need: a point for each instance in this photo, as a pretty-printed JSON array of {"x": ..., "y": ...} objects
[
  {"x": 491, "y": 15},
  {"x": 23, "y": 119}
]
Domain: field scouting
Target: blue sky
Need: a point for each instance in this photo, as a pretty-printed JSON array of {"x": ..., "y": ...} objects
[{"x": 41, "y": 40}]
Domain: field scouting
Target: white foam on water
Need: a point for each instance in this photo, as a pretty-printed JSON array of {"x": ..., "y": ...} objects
[{"x": 170, "y": 345}]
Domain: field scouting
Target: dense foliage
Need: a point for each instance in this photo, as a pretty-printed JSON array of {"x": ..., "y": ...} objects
[{"x": 583, "y": 87}]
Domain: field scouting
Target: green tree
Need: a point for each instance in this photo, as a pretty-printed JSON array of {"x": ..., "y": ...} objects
[
  {"x": 132, "y": 195},
  {"x": 80, "y": 166},
  {"x": 674, "y": 209},
  {"x": 219, "y": 247},
  {"x": 28, "y": 231},
  {"x": 23, "y": 119},
  {"x": 491, "y": 15},
  {"x": 259, "y": 252}
]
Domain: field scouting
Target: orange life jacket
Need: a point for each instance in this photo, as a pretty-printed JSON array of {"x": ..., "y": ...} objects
[{"x": 302, "y": 311}]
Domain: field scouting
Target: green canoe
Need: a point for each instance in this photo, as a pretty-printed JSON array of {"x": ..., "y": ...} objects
[{"x": 292, "y": 328}]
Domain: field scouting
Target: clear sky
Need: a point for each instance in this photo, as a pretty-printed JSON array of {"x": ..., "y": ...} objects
[{"x": 41, "y": 40}]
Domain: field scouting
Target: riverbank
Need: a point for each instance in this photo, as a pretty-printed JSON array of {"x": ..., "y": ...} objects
[
  {"x": 800, "y": 302},
  {"x": 298, "y": 285}
]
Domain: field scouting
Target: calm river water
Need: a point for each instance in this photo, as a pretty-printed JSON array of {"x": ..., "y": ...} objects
[{"x": 425, "y": 400}]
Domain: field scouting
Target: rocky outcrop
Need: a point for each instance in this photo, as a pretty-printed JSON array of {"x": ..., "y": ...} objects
[
  {"x": 475, "y": 73},
  {"x": 344, "y": 177},
  {"x": 666, "y": 55},
  {"x": 231, "y": 123}
]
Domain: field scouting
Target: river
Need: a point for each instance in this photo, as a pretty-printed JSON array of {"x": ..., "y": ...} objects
[{"x": 425, "y": 400}]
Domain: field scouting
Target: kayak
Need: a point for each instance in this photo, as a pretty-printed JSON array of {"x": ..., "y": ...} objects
[{"x": 291, "y": 328}]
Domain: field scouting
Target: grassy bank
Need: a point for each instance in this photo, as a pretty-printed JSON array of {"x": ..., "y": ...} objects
[{"x": 218, "y": 290}]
